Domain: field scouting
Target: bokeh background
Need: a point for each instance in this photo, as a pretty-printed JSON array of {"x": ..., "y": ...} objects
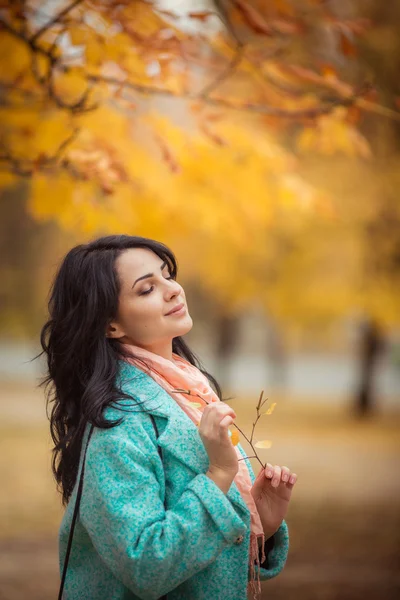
[{"x": 261, "y": 142}]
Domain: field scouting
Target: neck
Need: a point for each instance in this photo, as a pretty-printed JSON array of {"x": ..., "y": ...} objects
[{"x": 162, "y": 349}]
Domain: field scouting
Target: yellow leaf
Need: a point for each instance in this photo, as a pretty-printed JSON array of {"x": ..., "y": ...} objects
[
  {"x": 15, "y": 57},
  {"x": 263, "y": 444},
  {"x": 271, "y": 409},
  {"x": 72, "y": 85},
  {"x": 235, "y": 438},
  {"x": 94, "y": 51},
  {"x": 79, "y": 35}
]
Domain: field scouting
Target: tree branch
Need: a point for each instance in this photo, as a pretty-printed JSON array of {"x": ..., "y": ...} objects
[
  {"x": 262, "y": 109},
  {"x": 28, "y": 41},
  {"x": 26, "y": 168},
  {"x": 56, "y": 19},
  {"x": 80, "y": 106},
  {"x": 230, "y": 68}
]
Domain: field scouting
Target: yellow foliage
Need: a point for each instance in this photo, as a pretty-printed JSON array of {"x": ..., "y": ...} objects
[
  {"x": 141, "y": 17},
  {"x": 50, "y": 194},
  {"x": 71, "y": 85},
  {"x": 27, "y": 133},
  {"x": 79, "y": 34},
  {"x": 94, "y": 52},
  {"x": 333, "y": 134},
  {"x": 217, "y": 185},
  {"x": 15, "y": 57}
]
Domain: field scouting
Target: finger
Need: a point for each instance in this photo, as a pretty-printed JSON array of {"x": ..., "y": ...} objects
[
  {"x": 269, "y": 471},
  {"x": 215, "y": 415},
  {"x": 276, "y": 479},
  {"x": 285, "y": 474},
  {"x": 216, "y": 408},
  {"x": 224, "y": 424},
  {"x": 226, "y": 421},
  {"x": 292, "y": 479}
]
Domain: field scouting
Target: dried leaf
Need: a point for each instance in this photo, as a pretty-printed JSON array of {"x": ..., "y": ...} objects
[
  {"x": 201, "y": 16},
  {"x": 263, "y": 444},
  {"x": 285, "y": 27},
  {"x": 167, "y": 155},
  {"x": 347, "y": 45},
  {"x": 271, "y": 409},
  {"x": 329, "y": 71},
  {"x": 253, "y": 18},
  {"x": 214, "y": 137}
]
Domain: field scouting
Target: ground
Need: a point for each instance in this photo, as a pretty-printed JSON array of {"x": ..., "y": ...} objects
[{"x": 344, "y": 518}]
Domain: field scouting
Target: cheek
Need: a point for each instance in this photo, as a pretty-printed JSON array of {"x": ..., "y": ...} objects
[{"x": 141, "y": 313}]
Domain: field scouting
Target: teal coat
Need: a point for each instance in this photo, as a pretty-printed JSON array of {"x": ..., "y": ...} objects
[{"x": 126, "y": 545}]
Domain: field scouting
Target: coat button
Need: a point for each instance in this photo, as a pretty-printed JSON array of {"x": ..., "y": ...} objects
[{"x": 239, "y": 539}]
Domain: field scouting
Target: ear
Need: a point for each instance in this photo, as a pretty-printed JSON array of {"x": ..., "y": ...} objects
[{"x": 114, "y": 330}]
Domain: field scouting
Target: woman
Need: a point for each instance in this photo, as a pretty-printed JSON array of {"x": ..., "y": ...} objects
[{"x": 168, "y": 506}]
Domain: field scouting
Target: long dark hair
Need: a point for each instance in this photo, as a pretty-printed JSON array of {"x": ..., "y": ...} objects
[{"x": 81, "y": 379}]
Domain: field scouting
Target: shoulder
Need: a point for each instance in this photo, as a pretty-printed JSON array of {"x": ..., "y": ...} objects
[
  {"x": 131, "y": 418},
  {"x": 144, "y": 394}
]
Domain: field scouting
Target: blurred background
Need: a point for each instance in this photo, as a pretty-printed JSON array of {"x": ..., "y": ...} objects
[{"x": 261, "y": 142}]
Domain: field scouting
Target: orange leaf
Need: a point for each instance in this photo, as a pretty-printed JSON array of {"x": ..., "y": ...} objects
[
  {"x": 263, "y": 444},
  {"x": 285, "y": 27},
  {"x": 253, "y": 18},
  {"x": 235, "y": 437},
  {"x": 347, "y": 46},
  {"x": 167, "y": 155},
  {"x": 353, "y": 114},
  {"x": 212, "y": 135},
  {"x": 202, "y": 16},
  {"x": 328, "y": 70}
]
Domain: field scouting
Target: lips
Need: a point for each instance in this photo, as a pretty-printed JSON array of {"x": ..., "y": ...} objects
[{"x": 175, "y": 309}]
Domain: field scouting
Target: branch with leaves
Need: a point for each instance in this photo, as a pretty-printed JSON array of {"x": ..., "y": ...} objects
[
  {"x": 90, "y": 54},
  {"x": 234, "y": 435},
  {"x": 139, "y": 49}
]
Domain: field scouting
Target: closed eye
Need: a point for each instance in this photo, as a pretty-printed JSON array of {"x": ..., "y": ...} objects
[{"x": 152, "y": 288}]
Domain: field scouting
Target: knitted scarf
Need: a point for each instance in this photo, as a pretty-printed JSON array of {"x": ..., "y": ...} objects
[{"x": 179, "y": 374}]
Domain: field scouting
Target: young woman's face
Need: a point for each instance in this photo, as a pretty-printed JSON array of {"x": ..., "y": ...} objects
[{"x": 147, "y": 296}]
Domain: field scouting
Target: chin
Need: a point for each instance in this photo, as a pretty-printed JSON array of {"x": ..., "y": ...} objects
[{"x": 185, "y": 326}]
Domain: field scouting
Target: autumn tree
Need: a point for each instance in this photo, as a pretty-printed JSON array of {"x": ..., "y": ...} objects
[{"x": 186, "y": 125}]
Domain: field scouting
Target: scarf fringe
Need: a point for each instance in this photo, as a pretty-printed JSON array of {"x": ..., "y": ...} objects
[{"x": 254, "y": 586}]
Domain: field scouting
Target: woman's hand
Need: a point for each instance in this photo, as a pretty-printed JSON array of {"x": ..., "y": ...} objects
[
  {"x": 272, "y": 491},
  {"x": 213, "y": 429}
]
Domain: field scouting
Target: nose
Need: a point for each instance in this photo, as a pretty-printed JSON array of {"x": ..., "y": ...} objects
[{"x": 174, "y": 288}]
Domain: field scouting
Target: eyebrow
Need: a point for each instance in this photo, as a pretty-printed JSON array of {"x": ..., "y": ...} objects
[{"x": 149, "y": 274}]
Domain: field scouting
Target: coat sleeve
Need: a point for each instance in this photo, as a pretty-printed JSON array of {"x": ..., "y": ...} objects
[
  {"x": 276, "y": 549},
  {"x": 150, "y": 549}
]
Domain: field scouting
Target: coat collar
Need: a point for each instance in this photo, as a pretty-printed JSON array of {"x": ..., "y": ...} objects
[{"x": 180, "y": 436}]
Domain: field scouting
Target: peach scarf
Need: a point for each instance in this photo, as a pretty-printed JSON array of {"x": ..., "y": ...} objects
[{"x": 179, "y": 374}]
